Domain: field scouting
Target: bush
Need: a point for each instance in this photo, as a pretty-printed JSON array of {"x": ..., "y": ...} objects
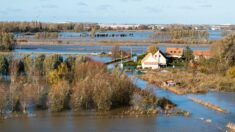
[
  {"x": 4, "y": 65},
  {"x": 231, "y": 72},
  {"x": 58, "y": 96},
  {"x": 7, "y": 41},
  {"x": 97, "y": 88}
]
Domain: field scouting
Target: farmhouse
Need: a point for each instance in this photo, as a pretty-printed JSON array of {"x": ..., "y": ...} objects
[
  {"x": 175, "y": 52},
  {"x": 201, "y": 54},
  {"x": 154, "y": 61}
]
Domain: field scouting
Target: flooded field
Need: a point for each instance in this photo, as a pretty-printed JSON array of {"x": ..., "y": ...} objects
[
  {"x": 78, "y": 49},
  {"x": 119, "y": 35},
  {"x": 201, "y": 119}
]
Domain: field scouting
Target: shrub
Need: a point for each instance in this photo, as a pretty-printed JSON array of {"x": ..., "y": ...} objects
[
  {"x": 231, "y": 72},
  {"x": 4, "y": 98},
  {"x": 52, "y": 62},
  {"x": 4, "y": 65},
  {"x": 7, "y": 41},
  {"x": 58, "y": 96}
]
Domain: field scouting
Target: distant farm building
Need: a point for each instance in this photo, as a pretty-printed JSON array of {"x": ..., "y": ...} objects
[
  {"x": 154, "y": 61},
  {"x": 175, "y": 52},
  {"x": 201, "y": 54}
]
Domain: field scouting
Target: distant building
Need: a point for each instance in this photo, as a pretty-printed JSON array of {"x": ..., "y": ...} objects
[
  {"x": 119, "y": 26},
  {"x": 175, "y": 52},
  {"x": 154, "y": 61},
  {"x": 201, "y": 54}
]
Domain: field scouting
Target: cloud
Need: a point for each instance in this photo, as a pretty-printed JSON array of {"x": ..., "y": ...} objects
[
  {"x": 50, "y": 6},
  {"x": 81, "y": 4}
]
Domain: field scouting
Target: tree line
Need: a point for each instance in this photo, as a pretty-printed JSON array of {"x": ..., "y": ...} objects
[
  {"x": 181, "y": 36},
  {"x": 45, "y": 27},
  {"x": 46, "y": 35}
]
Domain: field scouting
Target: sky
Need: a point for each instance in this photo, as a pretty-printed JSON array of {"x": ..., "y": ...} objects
[{"x": 120, "y": 11}]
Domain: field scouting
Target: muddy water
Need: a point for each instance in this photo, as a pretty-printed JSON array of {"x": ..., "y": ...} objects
[{"x": 72, "y": 122}]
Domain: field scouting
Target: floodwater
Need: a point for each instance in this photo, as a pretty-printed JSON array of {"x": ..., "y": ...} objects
[
  {"x": 114, "y": 35},
  {"x": 202, "y": 119},
  {"x": 79, "y": 49},
  {"x": 212, "y": 120}
]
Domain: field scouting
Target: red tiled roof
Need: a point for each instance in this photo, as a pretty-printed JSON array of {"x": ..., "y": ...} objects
[{"x": 175, "y": 51}]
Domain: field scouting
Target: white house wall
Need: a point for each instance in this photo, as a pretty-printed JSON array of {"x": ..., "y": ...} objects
[{"x": 153, "y": 61}]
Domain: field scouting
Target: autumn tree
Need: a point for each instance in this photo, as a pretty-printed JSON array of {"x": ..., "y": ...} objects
[
  {"x": 52, "y": 62},
  {"x": 59, "y": 96},
  {"x": 152, "y": 49},
  {"x": 56, "y": 75},
  {"x": 7, "y": 41},
  {"x": 223, "y": 53},
  {"x": 4, "y": 94}
]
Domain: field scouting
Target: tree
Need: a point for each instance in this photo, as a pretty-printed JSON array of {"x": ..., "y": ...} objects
[
  {"x": 52, "y": 62},
  {"x": 93, "y": 32},
  {"x": 4, "y": 98},
  {"x": 188, "y": 54},
  {"x": 223, "y": 52},
  {"x": 4, "y": 65},
  {"x": 116, "y": 52},
  {"x": 229, "y": 50},
  {"x": 152, "y": 49},
  {"x": 59, "y": 74},
  {"x": 59, "y": 96},
  {"x": 28, "y": 95},
  {"x": 231, "y": 72},
  {"x": 7, "y": 41},
  {"x": 39, "y": 65}
]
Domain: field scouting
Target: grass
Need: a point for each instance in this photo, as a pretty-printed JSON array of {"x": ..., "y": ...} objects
[{"x": 189, "y": 81}]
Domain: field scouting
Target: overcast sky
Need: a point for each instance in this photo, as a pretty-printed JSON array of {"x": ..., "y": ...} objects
[{"x": 120, "y": 11}]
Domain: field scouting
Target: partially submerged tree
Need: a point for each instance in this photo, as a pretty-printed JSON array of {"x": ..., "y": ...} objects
[{"x": 59, "y": 96}]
